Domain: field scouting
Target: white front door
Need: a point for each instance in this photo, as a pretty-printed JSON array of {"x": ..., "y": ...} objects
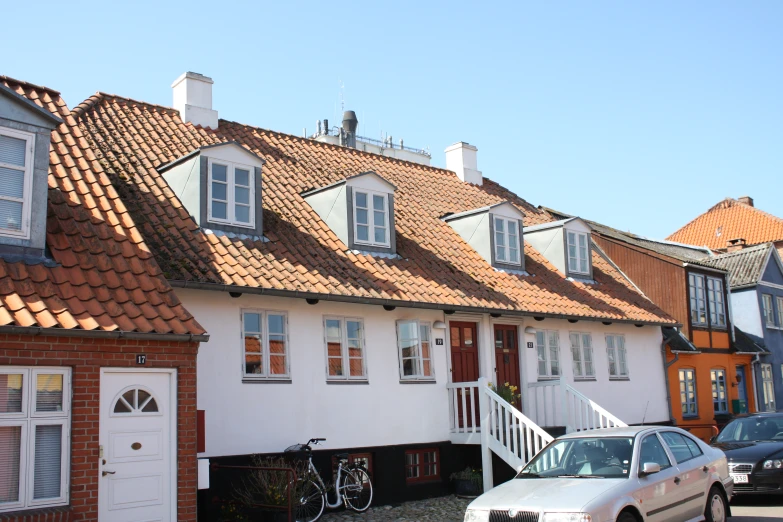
[{"x": 137, "y": 479}]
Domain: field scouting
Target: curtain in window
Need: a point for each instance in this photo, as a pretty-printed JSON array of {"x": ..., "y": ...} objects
[
  {"x": 48, "y": 451},
  {"x": 10, "y": 453}
]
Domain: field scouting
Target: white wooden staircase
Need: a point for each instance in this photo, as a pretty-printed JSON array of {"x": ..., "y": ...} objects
[{"x": 478, "y": 415}]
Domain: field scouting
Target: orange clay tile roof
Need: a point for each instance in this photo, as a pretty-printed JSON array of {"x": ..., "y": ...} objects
[
  {"x": 731, "y": 219},
  {"x": 436, "y": 267},
  {"x": 105, "y": 278}
]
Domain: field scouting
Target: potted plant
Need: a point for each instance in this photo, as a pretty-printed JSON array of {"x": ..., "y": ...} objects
[{"x": 468, "y": 483}]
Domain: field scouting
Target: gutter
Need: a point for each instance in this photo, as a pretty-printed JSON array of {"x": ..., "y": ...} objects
[
  {"x": 102, "y": 334},
  {"x": 753, "y": 363},
  {"x": 666, "y": 366},
  {"x": 297, "y": 294}
]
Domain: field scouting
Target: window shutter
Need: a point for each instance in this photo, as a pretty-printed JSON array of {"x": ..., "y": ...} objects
[
  {"x": 10, "y": 453},
  {"x": 48, "y": 451}
]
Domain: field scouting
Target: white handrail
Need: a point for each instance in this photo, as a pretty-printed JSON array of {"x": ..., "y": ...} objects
[
  {"x": 585, "y": 414},
  {"x": 464, "y": 407}
]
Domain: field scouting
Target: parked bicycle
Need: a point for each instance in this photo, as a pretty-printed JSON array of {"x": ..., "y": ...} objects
[{"x": 352, "y": 485}]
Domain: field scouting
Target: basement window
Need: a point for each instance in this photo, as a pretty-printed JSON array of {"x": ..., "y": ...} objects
[
  {"x": 16, "y": 180},
  {"x": 231, "y": 193},
  {"x": 422, "y": 465}
]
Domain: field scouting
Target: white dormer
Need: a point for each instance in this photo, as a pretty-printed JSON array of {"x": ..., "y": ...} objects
[
  {"x": 495, "y": 232},
  {"x": 566, "y": 244},
  {"x": 220, "y": 186},
  {"x": 25, "y": 135},
  {"x": 359, "y": 210}
]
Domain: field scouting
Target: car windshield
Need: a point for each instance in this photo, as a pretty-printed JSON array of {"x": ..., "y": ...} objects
[
  {"x": 752, "y": 429},
  {"x": 588, "y": 457}
]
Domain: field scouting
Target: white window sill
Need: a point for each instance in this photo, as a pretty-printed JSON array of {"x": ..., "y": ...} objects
[
  {"x": 770, "y": 327},
  {"x": 347, "y": 381},
  {"x": 618, "y": 378},
  {"x": 584, "y": 379},
  {"x": 418, "y": 381},
  {"x": 544, "y": 378},
  {"x": 267, "y": 380}
]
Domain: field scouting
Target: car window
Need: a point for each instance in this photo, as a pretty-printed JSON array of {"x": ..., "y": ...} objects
[
  {"x": 693, "y": 446},
  {"x": 753, "y": 428},
  {"x": 681, "y": 446},
  {"x": 652, "y": 450},
  {"x": 606, "y": 457}
]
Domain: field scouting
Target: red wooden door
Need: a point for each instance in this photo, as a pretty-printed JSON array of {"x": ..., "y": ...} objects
[
  {"x": 464, "y": 368},
  {"x": 507, "y": 356}
]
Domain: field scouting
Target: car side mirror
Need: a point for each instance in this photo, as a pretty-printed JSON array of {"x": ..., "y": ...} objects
[
  {"x": 713, "y": 439},
  {"x": 650, "y": 468}
]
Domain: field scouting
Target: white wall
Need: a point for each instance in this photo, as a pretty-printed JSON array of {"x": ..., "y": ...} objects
[
  {"x": 243, "y": 418},
  {"x": 746, "y": 312}
]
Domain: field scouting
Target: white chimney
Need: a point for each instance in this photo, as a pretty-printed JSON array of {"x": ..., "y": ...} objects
[
  {"x": 462, "y": 159},
  {"x": 193, "y": 99}
]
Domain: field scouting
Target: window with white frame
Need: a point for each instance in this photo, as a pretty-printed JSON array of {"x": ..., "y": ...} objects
[
  {"x": 720, "y": 401},
  {"x": 548, "y": 347},
  {"x": 578, "y": 252},
  {"x": 231, "y": 193},
  {"x": 780, "y": 311},
  {"x": 34, "y": 432},
  {"x": 582, "y": 353},
  {"x": 717, "y": 307},
  {"x": 688, "y": 397},
  {"x": 698, "y": 299},
  {"x": 767, "y": 388},
  {"x": 414, "y": 345},
  {"x": 507, "y": 241},
  {"x": 344, "y": 337},
  {"x": 265, "y": 344},
  {"x": 769, "y": 312},
  {"x": 618, "y": 358},
  {"x": 371, "y": 218},
  {"x": 16, "y": 181}
]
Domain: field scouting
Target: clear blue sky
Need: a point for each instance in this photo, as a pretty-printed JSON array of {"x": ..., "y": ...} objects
[{"x": 640, "y": 115}]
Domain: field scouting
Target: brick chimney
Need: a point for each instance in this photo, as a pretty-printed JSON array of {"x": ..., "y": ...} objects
[
  {"x": 746, "y": 199},
  {"x": 733, "y": 245}
]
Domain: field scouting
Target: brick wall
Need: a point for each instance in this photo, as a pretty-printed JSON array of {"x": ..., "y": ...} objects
[{"x": 85, "y": 357}]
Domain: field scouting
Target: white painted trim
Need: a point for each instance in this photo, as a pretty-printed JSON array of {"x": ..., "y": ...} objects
[
  {"x": 265, "y": 352},
  {"x": 230, "y": 193},
  {"x": 578, "y": 257},
  {"x": 463, "y": 318},
  {"x": 421, "y": 377},
  {"x": 24, "y": 371},
  {"x": 344, "y": 353},
  {"x": 371, "y": 218},
  {"x": 506, "y": 240},
  {"x": 771, "y": 285},
  {"x": 173, "y": 424},
  {"x": 26, "y": 200},
  {"x": 583, "y": 350},
  {"x": 616, "y": 350}
]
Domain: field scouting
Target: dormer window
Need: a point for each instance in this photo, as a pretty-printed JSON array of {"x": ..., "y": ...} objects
[
  {"x": 16, "y": 177},
  {"x": 231, "y": 193},
  {"x": 578, "y": 253},
  {"x": 507, "y": 245},
  {"x": 360, "y": 211},
  {"x": 371, "y": 218},
  {"x": 220, "y": 186}
]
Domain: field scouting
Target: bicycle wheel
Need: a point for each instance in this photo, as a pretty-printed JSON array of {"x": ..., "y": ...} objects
[
  {"x": 309, "y": 501},
  {"x": 357, "y": 489}
]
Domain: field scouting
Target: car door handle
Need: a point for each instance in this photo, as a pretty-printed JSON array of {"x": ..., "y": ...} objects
[{"x": 677, "y": 480}]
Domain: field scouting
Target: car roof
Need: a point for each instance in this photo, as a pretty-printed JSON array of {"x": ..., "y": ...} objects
[
  {"x": 626, "y": 431},
  {"x": 760, "y": 414}
]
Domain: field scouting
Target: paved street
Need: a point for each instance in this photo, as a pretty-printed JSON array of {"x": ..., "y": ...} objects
[{"x": 452, "y": 509}]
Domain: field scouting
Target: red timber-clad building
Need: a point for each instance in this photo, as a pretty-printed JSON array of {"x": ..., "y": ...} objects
[{"x": 97, "y": 355}]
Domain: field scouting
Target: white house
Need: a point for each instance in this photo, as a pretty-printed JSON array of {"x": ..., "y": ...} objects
[{"x": 369, "y": 300}]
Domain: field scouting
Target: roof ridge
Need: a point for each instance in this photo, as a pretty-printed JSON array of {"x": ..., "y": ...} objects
[
  {"x": 746, "y": 250},
  {"x": 29, "y": 85}
]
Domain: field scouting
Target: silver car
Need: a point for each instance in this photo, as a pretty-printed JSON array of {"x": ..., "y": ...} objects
[{"x": 647, "y": 473}]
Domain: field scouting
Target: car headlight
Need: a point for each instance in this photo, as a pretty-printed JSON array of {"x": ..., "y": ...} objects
[
  {"x": 773, "y": 464},
  {"x": 474, "y": 515},
  {"x": 566, "y": 517}
]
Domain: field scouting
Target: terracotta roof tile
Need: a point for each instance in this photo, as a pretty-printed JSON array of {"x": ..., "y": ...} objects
[
  {"x": 730, "y": 219},
  {"x": 435, "y": 265},
  {"x": 86, "y": 223}
]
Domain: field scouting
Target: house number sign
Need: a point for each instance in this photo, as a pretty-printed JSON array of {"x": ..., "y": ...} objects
[
  {"x": 438, "y": 342},
  {"x": 530, "y": 345},
  {"x": 141, "y": 359}
]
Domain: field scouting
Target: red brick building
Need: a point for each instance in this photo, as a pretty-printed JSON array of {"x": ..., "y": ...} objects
[{"x": 97, "y": 355}]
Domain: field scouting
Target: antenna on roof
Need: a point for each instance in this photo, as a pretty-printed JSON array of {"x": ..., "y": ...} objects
[
  {"x": 645, "y": 412},
  {"x": 342, "y": 96}
]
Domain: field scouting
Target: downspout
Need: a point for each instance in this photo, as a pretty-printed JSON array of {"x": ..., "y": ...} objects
[
  {"x": 756, "y": 360},
  {"x": 666, "y": 366}
]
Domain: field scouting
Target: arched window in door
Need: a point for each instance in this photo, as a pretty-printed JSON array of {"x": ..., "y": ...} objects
[{"x": 135, "y": 401}]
